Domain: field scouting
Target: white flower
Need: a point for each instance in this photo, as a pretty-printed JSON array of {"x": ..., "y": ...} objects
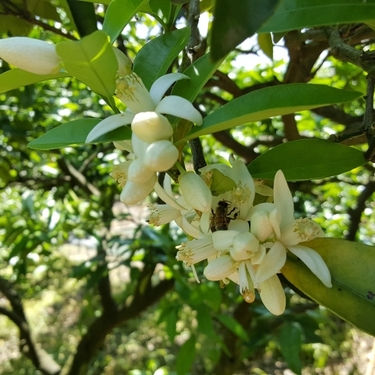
[
  {"x": 132, "y": 92},
  {"x": 33, "y": 55},
  {"x": 277, "y": 222}
]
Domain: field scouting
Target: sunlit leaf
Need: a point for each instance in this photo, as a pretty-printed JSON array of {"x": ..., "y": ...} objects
[
  {"x": 269, "y": 102},
  {"x": 352, "y": 296},
  {"x": 14, "y": 78},
  {"x": 92, "y": 61},
  {"x": 292, "y": 14},
  {"x": 235, "y": 21},
  {"x": 118, "y": 14},
  {"x": 154, "y": 59},
  {"x": 75, "y": 133},
  {"x": 306, "y": 159}
]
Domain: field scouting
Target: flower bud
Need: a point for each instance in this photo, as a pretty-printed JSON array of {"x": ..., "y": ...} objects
[
  {"x": 33, "y": 55},
  {"x": 151, "y": 127},
  {"x": 195, "y": 191},
  {"x": 133, "y": 192},
  {"x": 138, "y": 172},
  {"x": 160, "y": 156},
  {"x": 244, "y": 244}
]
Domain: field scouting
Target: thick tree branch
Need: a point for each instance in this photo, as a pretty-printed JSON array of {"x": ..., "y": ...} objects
[
  {"x": 40, "y": 358},
  {"x": 356, "y": 213}
]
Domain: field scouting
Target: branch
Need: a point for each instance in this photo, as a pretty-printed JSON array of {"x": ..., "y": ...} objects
[
  {"x": 144, "y": 296},
  {"x": 40, "y": 358},
  {"x": 356, "y": 213}
]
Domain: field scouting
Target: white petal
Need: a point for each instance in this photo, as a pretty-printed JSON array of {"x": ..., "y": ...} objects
[
  {"x": 33, "y": 55},
  {"x": 220, "y": 268},
  {"x": 196, "y": 193},
  {"x": 314, "y": 261},
  {"x": 223, "y": 239},
  {"x": 283, "y": 199},
  {"x": 239, "y": 225},
  {"x": 132, "y": 192},
  {"x": 179, "y": 107},
  {"x": 109, "y": 124},
  {"x": 272, "y": 295},
  {"x": 162, "y": 84},
  {"x": 272, "y": 262}
]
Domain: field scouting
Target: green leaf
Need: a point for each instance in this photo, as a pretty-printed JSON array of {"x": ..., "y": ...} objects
[
  {"x": 83, "y": 16},
  {"x": 265, "y": 44},
  {"x": 154, "y": 59},
  {"x": 185, "y": 356},
  {"x": 118, "y": 14},
  {"x": 289, "y": 339},
  {"x": 306, "y": 159},
  {"x": 233, "y": 325},
  {"x": 268, "y": 102},
  {"x": 75, "y": 133},
  {"x": 292, "y": 14},
  {"x": 352, "y": 296},
  {"x": 14, "y": 78},
  {"x": 199, "y": 73},
  {"x": 92, "y": 61},
  {"x": 221, "y": 183},
  {"x": 236, "y": 21}
]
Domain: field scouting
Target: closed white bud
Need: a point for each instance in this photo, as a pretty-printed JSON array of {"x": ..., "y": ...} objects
[
  {"x": 244, "y": 245},
  {"x": 161, "y": 156},
  {"x": 138, "y": 172},
  {"x": 33, "y": 55},
  {"x": 151, "y": 127},
  {"x": 134, "y": 192},
  {"x": 196, "y": 193}
]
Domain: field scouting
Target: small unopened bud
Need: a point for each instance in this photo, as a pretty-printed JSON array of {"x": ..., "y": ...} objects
[
  {"x": 134, "y": 192},
  {"x": 138, "y": 172},
  {"x": 151, "y": 127},
  {"x": 33, "y": 55},
  {"x": 195, "y": 191},
  {"x": 161, "y": 156},
  {"x": 244, "y": 245}
]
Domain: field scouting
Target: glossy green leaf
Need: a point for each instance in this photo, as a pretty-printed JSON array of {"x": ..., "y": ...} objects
[
  {"x": 268, "y": 102},
  {"x": 154, "y": 59},
  {"x": 185, "y": 356},
  {"x": 292, "y": 14},
  {"x": 92, "y": 61},
  {"x": 82, "y": 15},
  {"x": 234, "y": 326},
  {"x": 15, "y": 78},
  {"x": 199, "y": 73},
  {"x": 75, "y": 133},
  {"x": 235, "y": 21},
  {"x": 351, "y": 264},
  {"x": 289, "y": 339},
  {"x": 265, "y": 44},
  {"x": 306, "y": 159},
  {"x": 118, "y": 14}
]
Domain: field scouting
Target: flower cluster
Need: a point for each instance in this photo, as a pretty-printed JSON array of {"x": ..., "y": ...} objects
[
  {"x": 151, "y": 132},
  {"x": 241, "y": 242}
]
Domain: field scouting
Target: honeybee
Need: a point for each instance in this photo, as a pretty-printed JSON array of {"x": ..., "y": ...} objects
[{"x": 220, "y": 218}]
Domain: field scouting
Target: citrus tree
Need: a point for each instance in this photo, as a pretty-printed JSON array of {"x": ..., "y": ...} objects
[{"x": 257, "y": 177}]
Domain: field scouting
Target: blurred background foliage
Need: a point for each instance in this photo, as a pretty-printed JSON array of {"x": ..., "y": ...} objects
[{"x": 67, "y": 244}]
